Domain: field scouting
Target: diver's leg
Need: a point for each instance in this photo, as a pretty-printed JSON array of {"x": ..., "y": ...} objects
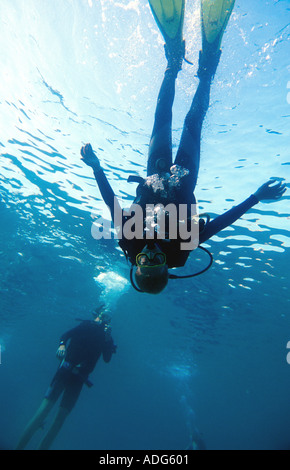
[
  {"x": 35, "y": 423},
  {"x": 188, "y": 155},
  {"x": 56, "y": 426},
  {"x": 71, "y": 394},
  {"x": 160, "y": 148},
  {"x": 54, "y": 391}
]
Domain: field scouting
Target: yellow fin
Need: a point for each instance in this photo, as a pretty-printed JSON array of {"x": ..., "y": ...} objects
[
  {"x": 215, "y": 15},
  {"x": 169, "y": 16}
]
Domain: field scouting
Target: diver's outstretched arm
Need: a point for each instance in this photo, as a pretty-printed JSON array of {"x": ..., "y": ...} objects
[
  {"x": 267, "y": 192},
  {"x": 228, "y": 218},
  {"x": 90, "y": 159}
]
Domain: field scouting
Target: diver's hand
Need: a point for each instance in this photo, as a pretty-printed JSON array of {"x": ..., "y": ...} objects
[
  {"x": 89, "y": 157},
  {"x": 60, "y": 353},
  {"x": 268, "y": 192}
]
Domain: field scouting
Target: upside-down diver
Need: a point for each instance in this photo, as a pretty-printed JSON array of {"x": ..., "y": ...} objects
[{"x": 174, "y": 182}]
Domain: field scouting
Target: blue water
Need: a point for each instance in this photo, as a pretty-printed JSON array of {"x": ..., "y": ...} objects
[{"x": 208, "y": 353}]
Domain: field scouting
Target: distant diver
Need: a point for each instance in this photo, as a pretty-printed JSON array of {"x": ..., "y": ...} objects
[
  {"x": 169, "y": 183},
  {"x": 79, "y": 350}
]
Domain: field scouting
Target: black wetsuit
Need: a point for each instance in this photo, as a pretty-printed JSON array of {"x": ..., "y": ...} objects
[
  {"x": 84, "y": 346},
  {"x": 160, "y": 164},
  {"x": 176, "y": 257}
]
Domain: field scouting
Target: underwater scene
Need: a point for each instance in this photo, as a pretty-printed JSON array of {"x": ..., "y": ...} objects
[{"x": 204, "y": 364}]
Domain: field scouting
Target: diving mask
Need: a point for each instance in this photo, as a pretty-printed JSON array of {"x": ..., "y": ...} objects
[{"x": 151, "y": 259}]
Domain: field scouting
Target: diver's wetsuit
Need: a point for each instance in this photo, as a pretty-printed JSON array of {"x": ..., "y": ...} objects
[
  {"x": 84, "y": 346},
  {"x": 160, "y": 166}
]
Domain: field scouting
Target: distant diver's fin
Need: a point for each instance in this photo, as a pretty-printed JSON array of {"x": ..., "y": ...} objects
[{"x": 215, "y": 15}]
